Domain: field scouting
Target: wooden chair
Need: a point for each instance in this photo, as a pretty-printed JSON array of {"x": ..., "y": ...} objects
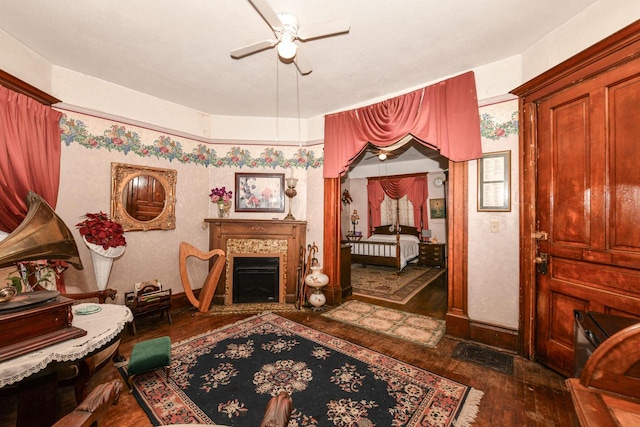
[
  {"x": 608, "y": 391},
  {"x": 94, "y": 408},
  {"x": 203, "y": 302},
  {"x": 278, "y": 411}
]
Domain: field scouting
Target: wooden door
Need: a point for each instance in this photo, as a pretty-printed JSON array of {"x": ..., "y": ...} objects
[{"x": 588, "y": 204}]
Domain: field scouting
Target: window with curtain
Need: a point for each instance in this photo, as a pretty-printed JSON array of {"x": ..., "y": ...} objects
[{"x": 388, "y": 211}]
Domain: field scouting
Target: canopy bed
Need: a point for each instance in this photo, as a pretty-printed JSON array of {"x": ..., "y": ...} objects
[
  {"x": 392, "y": 245},
  {"x": 388, "y": 245}
]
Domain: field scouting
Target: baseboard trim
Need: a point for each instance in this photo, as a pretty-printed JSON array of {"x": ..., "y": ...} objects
[
  {"x": 493, "y": 335},
  {"x": 457, "y": 324}
]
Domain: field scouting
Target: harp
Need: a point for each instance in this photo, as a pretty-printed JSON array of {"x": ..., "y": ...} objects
[{"x": 203, "y": 302}]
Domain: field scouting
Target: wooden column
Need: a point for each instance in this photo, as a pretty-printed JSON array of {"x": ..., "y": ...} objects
[
  {"x": 457, "y": 239},
  {"x": 331, "y": 254}
]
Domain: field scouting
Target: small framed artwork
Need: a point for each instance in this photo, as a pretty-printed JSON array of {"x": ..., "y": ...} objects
[
  {"x": 494, "y": 182},
  {"x": 438, "y": 208},
  {"x": 259, "y": 192}
]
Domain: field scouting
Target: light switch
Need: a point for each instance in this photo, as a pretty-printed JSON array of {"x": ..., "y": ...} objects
[{"x": 494, "y": 226}]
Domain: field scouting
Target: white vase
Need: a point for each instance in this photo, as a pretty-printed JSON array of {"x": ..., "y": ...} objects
[
  {"x": 102, "y": 261},
  {"x": 316, "y": 280}
]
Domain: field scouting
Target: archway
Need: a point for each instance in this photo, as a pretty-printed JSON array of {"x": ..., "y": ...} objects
[{"x": 457, "y": 316}]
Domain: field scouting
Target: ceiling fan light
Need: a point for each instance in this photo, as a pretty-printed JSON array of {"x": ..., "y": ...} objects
[
  {"x": 382, "y": 156},
  {"x": 287, "y": 49}
]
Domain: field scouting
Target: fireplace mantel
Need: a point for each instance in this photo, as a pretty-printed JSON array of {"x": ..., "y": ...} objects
[{"x": 264, "y": 233}]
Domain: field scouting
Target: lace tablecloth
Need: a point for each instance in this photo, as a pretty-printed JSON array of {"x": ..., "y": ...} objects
[{"x": 101, "y": 328}]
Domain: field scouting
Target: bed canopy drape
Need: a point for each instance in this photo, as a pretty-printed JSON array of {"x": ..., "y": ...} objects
[
  {"x": 443, "y": 116},
  {"x": 414, "y": 187}
]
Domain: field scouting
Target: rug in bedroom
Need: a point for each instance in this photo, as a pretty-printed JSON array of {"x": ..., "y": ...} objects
[
  {"x": 228, "y": 375},
  {"x": 411, "y": 327},
  {"x": 385, "y": 284}
]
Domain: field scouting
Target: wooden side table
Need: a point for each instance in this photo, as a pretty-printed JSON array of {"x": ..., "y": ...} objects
[
  {"x": 149, "y": 299},
  {"x": 432, "y": 255}
]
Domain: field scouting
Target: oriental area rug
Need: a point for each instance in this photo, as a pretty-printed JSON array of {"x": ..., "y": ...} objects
[
  {"x": 228, "y": 375},
  {"x": 385, "y": 284},
  {"x": 423, "y": 330}
]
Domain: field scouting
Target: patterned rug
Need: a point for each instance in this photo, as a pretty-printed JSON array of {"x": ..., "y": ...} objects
[
  {"x": 418, "y": 329},
  {"x": 383, "y": 283},
  {"x": 228, "y": 375}
]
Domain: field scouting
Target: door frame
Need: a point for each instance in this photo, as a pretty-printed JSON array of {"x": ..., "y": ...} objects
[
  {"x": 457, "y": 317},
  {"x": 614, "y": 50}
]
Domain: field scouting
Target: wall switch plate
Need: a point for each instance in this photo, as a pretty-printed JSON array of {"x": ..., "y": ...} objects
[{"x": 494, "y": 226}]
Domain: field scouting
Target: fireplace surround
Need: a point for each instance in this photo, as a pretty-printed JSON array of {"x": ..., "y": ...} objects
[{"x": 240, "y": 238}]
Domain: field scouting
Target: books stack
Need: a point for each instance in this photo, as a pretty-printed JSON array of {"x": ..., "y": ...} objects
[{"x": 154, "y": 295}]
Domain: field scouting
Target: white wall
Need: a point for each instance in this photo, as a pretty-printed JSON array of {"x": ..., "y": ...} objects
[
  {"x": 493, "y": 265},
  {"x": 438, "y": 226}
]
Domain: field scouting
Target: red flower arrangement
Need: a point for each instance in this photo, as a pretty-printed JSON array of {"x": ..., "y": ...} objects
[{"x": 98, "y": 229}]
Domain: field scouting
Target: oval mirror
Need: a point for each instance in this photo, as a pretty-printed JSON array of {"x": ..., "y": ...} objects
[{"x": 142, "y": 197}]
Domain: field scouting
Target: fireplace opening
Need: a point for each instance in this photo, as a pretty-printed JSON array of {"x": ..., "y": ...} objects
[{"x": 256, "y": 279}]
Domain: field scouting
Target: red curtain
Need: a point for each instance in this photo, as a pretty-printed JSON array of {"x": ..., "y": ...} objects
[
  {"x": 30, "y": 151},
  {"x": 415, "y": 188},
  {"x": 375, "y": 196},
  {"x": 443, "y": 116}
]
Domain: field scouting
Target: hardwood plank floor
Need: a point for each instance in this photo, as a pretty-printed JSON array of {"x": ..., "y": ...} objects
[{"x": 532, "y": 396}]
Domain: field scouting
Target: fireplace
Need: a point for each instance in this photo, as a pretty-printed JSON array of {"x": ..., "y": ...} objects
[
  {"x": 256, "y": 279},
  {"x": 240, "y": 238}
]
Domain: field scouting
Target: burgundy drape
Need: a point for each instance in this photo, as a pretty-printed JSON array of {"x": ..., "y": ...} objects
[
  {"x": 444, "y": 116},
  {"x": 30, "y": 151},
  {"x": 415, "y": 188}
]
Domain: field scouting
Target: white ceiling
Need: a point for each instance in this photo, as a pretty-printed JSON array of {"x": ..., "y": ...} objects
[{"x": 178, "y": 50}]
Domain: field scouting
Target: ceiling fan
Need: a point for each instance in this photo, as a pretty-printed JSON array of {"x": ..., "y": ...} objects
[
  {"x": 285, "y": 28},
  {"x": 382, "y": 155}
]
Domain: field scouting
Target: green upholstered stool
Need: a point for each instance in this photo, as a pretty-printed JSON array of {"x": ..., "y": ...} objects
[{"x": 149, "y": 355}]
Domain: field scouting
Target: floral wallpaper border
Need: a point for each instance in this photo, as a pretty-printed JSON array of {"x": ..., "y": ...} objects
[
  {"x": 493, "y": 130},
  {"x": 119, "y": 138}
]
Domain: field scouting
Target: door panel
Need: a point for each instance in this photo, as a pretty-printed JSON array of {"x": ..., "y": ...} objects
[
  {"x": 588, "y": 200},
  {"x": 624, "y": 175}
]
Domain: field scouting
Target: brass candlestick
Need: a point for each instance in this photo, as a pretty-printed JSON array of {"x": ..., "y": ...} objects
[
  {"x": 290, "y": 192},
  {"x": 354, "y": 220}
]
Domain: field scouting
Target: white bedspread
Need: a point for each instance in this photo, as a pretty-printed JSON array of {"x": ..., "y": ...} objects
[{"x": 408, "y": 247}]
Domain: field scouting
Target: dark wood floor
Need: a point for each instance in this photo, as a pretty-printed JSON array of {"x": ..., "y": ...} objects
[{"x": 531, "y": 396}]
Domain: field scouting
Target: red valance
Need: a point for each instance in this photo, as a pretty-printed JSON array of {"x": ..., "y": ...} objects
[{"x": 443, "y": 116}]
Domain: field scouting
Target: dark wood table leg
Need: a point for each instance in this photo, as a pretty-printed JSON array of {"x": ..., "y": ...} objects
[{"x": 37, "y": 401}]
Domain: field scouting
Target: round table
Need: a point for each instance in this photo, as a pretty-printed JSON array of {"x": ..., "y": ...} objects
[{"x": 101, "y": 326}]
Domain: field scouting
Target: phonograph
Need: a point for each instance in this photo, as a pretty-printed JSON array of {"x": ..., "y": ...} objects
[{"x": 33, "y": 320}]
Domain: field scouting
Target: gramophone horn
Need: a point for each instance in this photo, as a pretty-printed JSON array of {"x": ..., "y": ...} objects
[{"x": 41, "y": 235}]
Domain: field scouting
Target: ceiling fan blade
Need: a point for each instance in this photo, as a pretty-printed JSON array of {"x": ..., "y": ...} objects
[
  {"x": 323, "y": 30},
  {"x": 253, "y": 48},
  {"x": 267, "y": 13},
  {"x": 302, "y": 63}
]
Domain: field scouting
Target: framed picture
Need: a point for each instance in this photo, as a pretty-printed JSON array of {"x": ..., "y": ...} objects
[
  {"x": 494, "y": 182},
  {"x": 438, "y": 208},
  {"x": 259, "y": 192}
]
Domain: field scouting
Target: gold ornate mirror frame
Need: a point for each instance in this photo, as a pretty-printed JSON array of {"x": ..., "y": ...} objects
[{"x": 123, "y": 176}]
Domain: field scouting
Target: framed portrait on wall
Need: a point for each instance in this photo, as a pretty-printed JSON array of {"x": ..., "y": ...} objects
[
  {"x": 494, "y": 182},
  {"x": 438, "y": 208},
  {"x": 259, "y": 192}
]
